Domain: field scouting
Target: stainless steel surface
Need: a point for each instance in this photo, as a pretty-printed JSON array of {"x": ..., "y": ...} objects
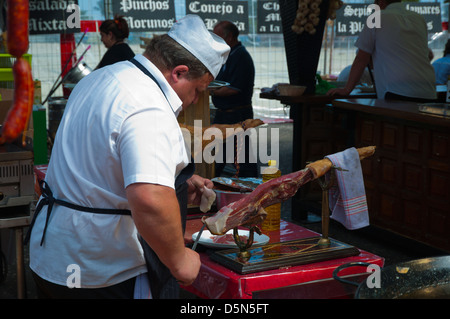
[
  {"x": 426, "y": 278},
  {"x": 421, "y": 278},
  {"x": 16, "y": 177},
  {"x": 78, "y": 72}
]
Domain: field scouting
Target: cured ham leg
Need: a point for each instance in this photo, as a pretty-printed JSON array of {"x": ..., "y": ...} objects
[{"x": 249, "y": 210}]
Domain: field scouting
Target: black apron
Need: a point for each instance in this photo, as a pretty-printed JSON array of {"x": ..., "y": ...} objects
[{"x": 162, "y": 284}]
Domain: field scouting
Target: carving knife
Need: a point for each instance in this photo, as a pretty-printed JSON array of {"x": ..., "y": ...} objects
[{"x": 198, "y": 237}]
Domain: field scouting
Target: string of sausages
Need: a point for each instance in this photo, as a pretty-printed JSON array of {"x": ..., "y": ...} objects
[
  {"x": 307, "y": 15},
  {"x": 18, "y": 116}
]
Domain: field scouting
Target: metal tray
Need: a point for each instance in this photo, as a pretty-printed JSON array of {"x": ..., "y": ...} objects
[{"x": 442, "y": 109}]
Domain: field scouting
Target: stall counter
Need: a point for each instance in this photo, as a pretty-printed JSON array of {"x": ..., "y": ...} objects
[{"x": 309, "y": 281}]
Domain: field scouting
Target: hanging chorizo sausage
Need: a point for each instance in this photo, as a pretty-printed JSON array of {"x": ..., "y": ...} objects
[
  {"x": 19, "y": 114},
  {"x": 17, "y": 27}
]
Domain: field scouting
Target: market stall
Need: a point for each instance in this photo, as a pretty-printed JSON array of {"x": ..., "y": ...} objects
[
  {"x": 289, "y": 262},
  {"x": 308, "y": 280}
]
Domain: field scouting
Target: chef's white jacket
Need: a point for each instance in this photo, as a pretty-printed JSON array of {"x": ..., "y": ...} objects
[{"x": 117, "y": 129}]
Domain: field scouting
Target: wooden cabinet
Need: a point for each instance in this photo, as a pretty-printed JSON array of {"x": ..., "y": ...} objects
[
  {"x": 325, "y": 130},
  {"x": 408, "y": 179}
]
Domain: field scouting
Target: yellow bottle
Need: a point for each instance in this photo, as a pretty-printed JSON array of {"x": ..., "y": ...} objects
[{"x": 272, "y": 221}]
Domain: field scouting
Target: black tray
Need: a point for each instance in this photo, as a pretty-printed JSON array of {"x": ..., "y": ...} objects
[{"x": 284, "y": 254}]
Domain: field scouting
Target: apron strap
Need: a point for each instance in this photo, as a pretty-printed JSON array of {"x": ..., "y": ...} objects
[
  {"x": 48, "y": 199},
  {"x": 147, "y": 72}
]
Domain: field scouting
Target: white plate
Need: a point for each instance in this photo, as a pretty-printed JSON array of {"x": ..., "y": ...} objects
[{"x": 208, "y": 239}]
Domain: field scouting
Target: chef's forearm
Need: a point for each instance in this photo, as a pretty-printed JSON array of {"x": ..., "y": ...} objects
[
  {"x": 361, "y": 61},
  {"x": 155, "y": 211}
]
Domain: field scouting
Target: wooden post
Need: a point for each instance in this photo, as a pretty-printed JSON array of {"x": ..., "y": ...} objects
[{"x": 199, "y": 111}]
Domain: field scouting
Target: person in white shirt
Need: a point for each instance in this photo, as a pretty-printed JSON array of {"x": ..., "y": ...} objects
[
  {"x": 399, "y": 51},
  {"x": 117, "y": 166}
]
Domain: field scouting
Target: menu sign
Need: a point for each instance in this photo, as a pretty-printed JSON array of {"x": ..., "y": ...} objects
[
  {"x": 268, "y": 17},
  {"x": 431, "y": 11},
  {"x": 213, "y": 11},
  {"x": 351, "y": 18},
  {"x": 47, "y": 17},
  {"x": 150, "y": 15}
]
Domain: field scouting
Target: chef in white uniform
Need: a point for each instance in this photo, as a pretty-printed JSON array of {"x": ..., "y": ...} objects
[{"x": 112, "y": 177}]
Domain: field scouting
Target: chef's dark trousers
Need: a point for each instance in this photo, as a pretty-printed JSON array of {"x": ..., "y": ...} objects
[
  {"x": 49, "y": 290},
  {"x": 162, "y": 284}
]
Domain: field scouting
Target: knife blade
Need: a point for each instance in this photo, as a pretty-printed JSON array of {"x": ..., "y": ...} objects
[{"x": 198, "y": 237}]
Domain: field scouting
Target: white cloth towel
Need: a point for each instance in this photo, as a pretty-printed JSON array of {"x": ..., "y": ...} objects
[{"x": 347, "y": 197}]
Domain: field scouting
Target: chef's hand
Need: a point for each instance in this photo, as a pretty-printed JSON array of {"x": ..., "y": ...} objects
[
  {"x": 189, "y": 268},
  {"x": 339, "y": 91},
  {"x": 196, "y": 186}
]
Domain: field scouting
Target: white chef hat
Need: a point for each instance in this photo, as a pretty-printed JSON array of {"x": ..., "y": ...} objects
[{"x": 210, "y": 49}]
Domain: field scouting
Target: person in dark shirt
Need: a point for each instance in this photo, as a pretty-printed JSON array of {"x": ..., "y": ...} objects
[
  {"x": 113, "y": 34},
  {"x": 234, "y": 102}
]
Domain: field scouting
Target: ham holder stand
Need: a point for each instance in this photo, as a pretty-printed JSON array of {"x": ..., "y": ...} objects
[{"x": 245, "y": 259}]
